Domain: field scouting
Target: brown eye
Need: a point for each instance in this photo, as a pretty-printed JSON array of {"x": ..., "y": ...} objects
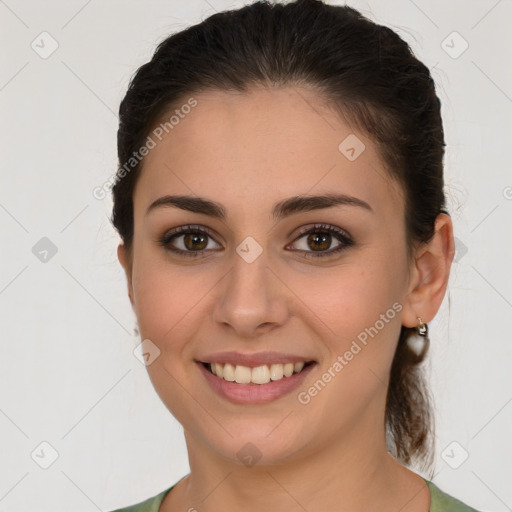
[
  {"x": 319, "y": 241},
  {"x": 189, "y": 241},
  {"x": 195, "y": 241},
  {"x": 320, "y": 237}
]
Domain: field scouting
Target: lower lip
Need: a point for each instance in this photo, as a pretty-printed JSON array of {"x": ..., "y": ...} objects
[{"x": 255, "y": 393}]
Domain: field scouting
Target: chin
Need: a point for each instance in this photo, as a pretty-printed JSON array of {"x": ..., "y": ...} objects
[{"x": 259, "y": 449}]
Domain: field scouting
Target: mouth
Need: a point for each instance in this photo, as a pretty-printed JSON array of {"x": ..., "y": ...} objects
[
  {"x": 258, "y": 375},
  {"x": 253, "y": 385}
]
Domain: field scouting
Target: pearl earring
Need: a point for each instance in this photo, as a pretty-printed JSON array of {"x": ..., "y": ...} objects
[{"x": 418, "y": 341}]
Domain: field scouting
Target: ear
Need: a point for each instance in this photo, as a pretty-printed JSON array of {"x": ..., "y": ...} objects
[
  {"x": 125, "y": 260},
  {"x": 429, "y": 277}
]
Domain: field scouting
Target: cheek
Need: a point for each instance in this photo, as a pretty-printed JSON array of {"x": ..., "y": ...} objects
[
  {"x": 169, "y": 310},
  {"x": 167, "y": 301},
  {"x": 361, "y": 306},
  {"x": 363, "y": 317},
  {"x": 350, "y": 298}
]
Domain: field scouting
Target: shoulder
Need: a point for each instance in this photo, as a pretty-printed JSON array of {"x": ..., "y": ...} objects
[
  {"x": 442, "y": 502},
  {"x": 150, "y": 505}
]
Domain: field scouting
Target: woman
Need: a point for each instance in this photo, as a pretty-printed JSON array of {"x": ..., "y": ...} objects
[{"x": 284, "y": 235}]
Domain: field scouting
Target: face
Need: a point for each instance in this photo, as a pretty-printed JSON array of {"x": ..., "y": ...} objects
[{"x": 263, "y": 285}]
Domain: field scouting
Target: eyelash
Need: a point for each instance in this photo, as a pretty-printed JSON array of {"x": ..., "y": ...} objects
[{"x": 341, "y": 235}]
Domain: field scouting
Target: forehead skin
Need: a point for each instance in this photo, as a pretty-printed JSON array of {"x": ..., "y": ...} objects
[{"x": 248, "y": 151}]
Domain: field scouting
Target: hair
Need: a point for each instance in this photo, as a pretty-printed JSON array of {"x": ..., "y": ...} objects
[{"x": 376, "y": 83}]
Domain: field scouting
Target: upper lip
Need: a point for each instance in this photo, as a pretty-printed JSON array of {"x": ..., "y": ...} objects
[{"x": 255, "y": 359}]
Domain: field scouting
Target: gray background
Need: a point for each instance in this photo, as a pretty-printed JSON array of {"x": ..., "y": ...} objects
[{"x": 68, "y": 373}]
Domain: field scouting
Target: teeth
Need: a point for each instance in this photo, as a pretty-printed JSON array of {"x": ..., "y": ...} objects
[
  {"x": 276, "y": 371},
  {"x": 297, "y": 367},
  {"x": 219, "y": 370},
  {"x": 228, "y": 372},
  {"x": 260, "y": 375},
  {"x": 257, "y": 375},
  {"x": 288, "y": 369},
  {"x": 242, "y": 375}
]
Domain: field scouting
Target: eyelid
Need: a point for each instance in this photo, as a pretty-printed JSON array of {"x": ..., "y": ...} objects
[
  {"x": 187, "y": 229},
  {"x": 323, "y": 227}
]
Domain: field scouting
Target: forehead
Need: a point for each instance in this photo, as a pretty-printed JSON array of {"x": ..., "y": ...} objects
[{"x": 266, "y": 144}]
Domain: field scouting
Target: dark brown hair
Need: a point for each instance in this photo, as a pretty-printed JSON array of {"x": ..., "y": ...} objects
[{"x": 374, "y": 80}]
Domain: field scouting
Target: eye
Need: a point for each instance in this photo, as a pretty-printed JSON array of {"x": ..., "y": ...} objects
[
  {"x": 320, "y": 237},
  {"x": 192, "y": 241}
]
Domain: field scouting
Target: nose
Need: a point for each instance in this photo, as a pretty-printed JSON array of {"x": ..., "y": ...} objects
[{"x": 253, "y": 300}]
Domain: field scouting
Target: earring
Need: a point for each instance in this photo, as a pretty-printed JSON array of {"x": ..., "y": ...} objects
[
  {"x": 418, "y": 341},
  {"x": 136, "y": 329}
]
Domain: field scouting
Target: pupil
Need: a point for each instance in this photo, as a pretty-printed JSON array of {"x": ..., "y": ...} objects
[
  {"x": 196, "y": 239},
  {"x": 318, "y": 238}
]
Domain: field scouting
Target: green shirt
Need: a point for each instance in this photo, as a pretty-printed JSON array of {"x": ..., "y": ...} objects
[{"x": 439, "y": 502}]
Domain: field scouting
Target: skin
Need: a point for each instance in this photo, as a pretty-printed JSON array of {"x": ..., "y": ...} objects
[{"x": 249, "y": 151}]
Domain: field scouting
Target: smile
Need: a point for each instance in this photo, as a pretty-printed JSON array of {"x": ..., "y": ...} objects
[
  {"x": 256, "y": 375},
  {"x": 255, "y": 384}
]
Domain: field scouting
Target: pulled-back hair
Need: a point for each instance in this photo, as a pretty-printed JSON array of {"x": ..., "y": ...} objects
[{"x": 368, "y": 73}]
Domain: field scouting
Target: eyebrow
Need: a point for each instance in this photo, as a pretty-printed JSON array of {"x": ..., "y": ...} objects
[{"x": 282, "y": 209}]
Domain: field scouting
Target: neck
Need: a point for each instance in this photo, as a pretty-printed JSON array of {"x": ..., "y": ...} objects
[{"x": 352, "y": 472}]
